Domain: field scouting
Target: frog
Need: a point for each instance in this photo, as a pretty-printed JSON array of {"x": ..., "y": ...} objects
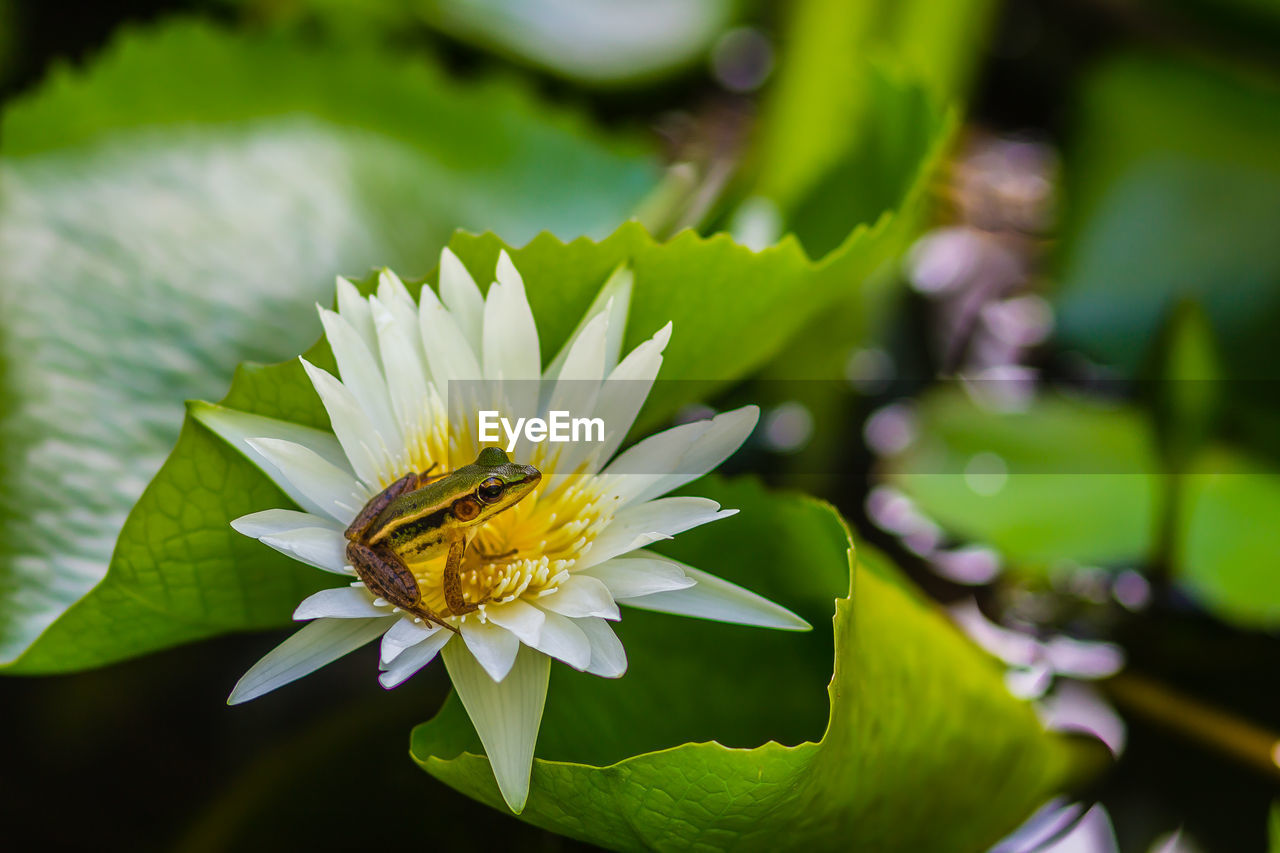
[{"x": 422, "y": 516}]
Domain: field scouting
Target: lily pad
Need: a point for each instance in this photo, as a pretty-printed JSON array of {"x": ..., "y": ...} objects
[
  {"x": 178, "y": 208},
  {"x": 1078, "y": 483},
  {"x": 1173, "y": 182},
  {"x": 722, "y": 737},
  {"x": 1226, "y": 553},
  {"x": 1067, "y": 480}
]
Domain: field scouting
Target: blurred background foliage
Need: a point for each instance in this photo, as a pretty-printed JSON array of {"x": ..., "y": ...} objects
[{"x": 1049, "y": 393}]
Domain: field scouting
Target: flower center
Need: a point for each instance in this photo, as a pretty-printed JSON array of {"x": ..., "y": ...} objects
[{"x": 525, "y": 552}]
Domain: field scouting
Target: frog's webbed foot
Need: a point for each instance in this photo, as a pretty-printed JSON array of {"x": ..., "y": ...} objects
[{"x": 427, "y": 616}]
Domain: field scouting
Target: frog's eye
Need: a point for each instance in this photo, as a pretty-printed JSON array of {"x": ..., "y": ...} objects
[{"x": 490, "y": 490}]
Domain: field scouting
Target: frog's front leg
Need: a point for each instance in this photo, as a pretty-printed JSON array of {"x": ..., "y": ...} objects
[
  {"x": 452, "y": 579},
  {"x": 379, "y": 502},
  {"x": 385, "y": 575}
]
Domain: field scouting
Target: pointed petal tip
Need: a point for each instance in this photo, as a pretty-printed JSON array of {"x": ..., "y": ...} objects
[
  {"x": 239, "y": 526},
  {"x": 506, "y": 271},
  {"x": 662, "y": 337},
  {"x": 516, "y": 802},
  {"x": 311, "y": 369},
  {"x": 788, "y": 621},
  {"x": 749, "y": 412}
]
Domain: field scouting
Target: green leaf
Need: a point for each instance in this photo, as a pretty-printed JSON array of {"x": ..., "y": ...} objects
[
  {"x": 1067, "y": 480},
  {"x": 722, "y": 737},
  {"x": 1174, "y": 184},
  {"x": 1225, "y": 554},
  {"x": 179, "y": 556},
  {"x": 177, "y": 209},
  {"x": 827, "y": 102},
  {"x": 1083, "y": 485}
]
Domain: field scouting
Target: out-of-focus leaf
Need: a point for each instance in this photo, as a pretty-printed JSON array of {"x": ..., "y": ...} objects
[
  {"x": 1066, "y": 480},
  {"x": 1228, "y": 548},
  {"x": 1173, "y": 192},
  {"x": 179, "y": 572},
  {"x": 177, "y": 209},
  {"x": 1070, "y": 481},
  {"x": 598, "y": 43},
  {"x": 823, "y": 99},
  {"x": 923, "y": 746}
]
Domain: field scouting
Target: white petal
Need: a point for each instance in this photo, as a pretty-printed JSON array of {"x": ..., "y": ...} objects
[
  {"x": 272, "y": 522},
  {"x": 575, "y": 392},
  {"x": 236, "y": 428},
  {"x": 519, "y": 617},
  {"x": 615, "y": 299},
  {"x": 493, "y": 646},
  {"x": 645, "y": 464},
  {"x": 330, "y": 489},
  {"x": 405, "y": 633},
  {"x": 406, "y": 372},
  {"x": 624, "y": 391},
  {"x": 394, "y": 296},
  {"x": 319, "y": 643},
  {"x": 414, "y": 658},
  {"x": 361, "y": 373},
  {"x": 643, "y": 524},
  {"x": 632, "y": 576},
  {"x": 581, "y": 596},
  {"x": 679, "y": 455},
  {"x": 563, "y": 640},
  {"x": 586, "y": 353},
  {"x": 450, "y": 356},
  {"x": 506, "y": 715},
  {"x": 608, "y": 657},
  {"x": 361, "y": 442},
  {"x": 354, "y": 308},
  {"x": 717, "y": 599},
  {"x": 510, "y": 348},
  {"x": 459, "y": 293},
  {"x": 344, "y": 602},
  {"x": 322, "y": 547},
  {"x": 727, "y": 433}
]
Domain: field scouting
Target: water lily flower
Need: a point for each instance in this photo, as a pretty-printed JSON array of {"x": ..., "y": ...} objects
[{"x": 548, "y": 573}]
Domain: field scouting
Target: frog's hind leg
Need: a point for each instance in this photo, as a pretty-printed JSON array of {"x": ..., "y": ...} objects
[{"x": 386, "y": 576}]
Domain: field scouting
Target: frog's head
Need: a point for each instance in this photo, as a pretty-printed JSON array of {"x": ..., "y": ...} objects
[{"x": 491, "y": 484}]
